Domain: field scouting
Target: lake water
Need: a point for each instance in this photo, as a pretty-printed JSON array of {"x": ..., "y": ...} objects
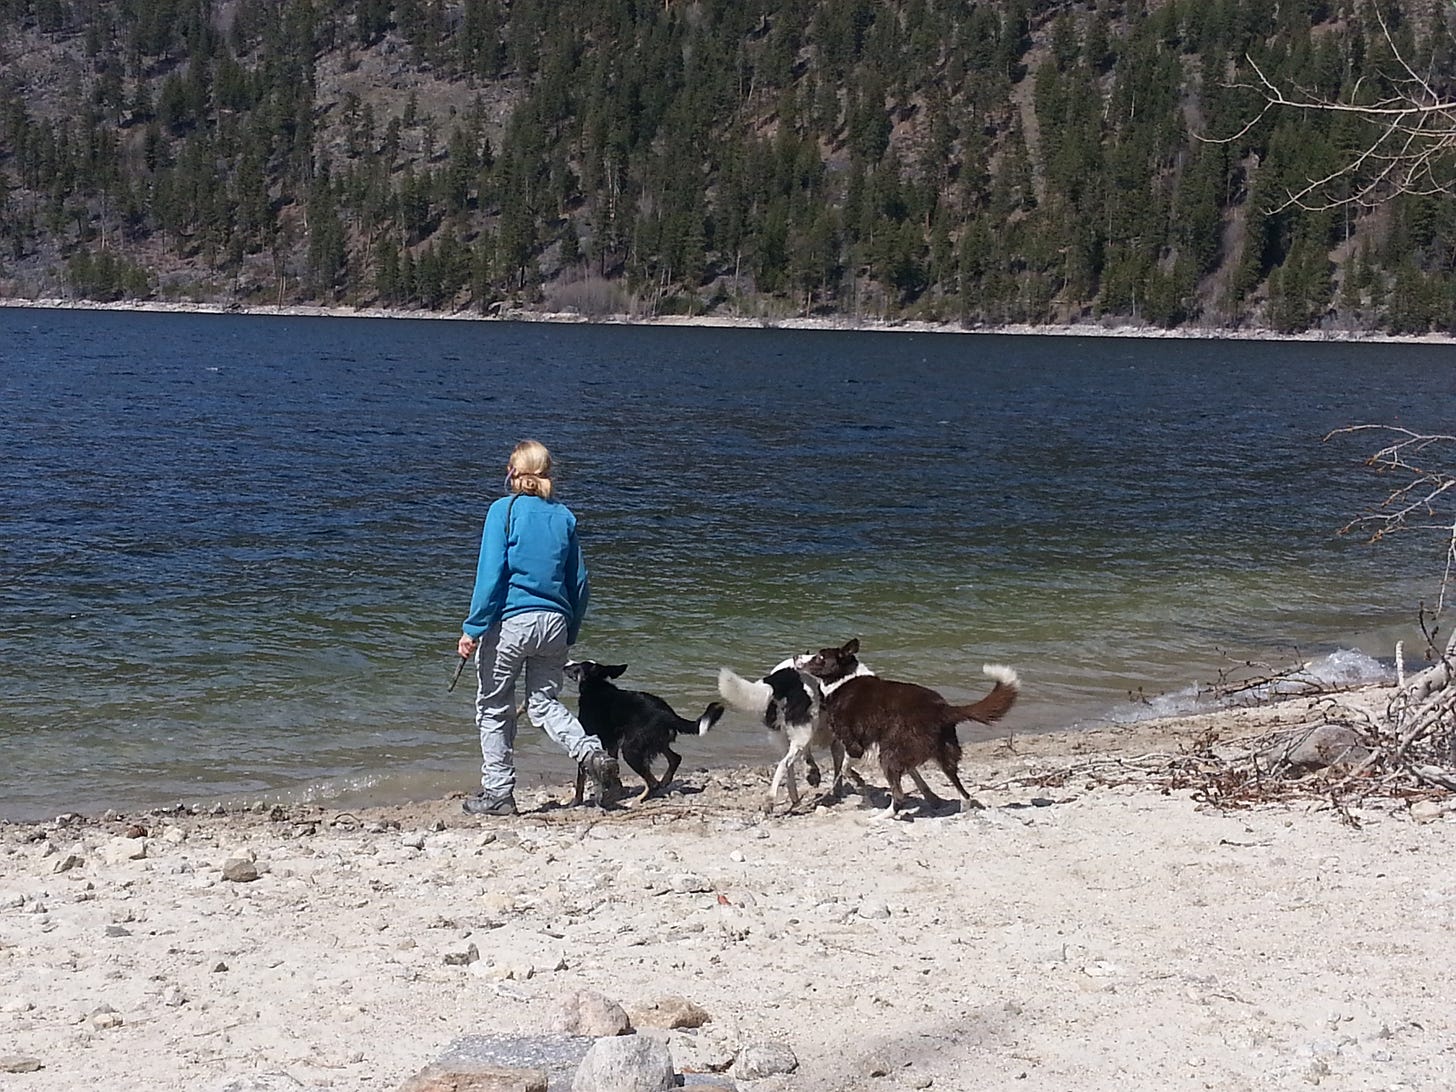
[{"x": 235, "y": 551}]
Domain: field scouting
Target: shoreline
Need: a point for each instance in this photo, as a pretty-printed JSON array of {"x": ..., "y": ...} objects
[
  {"x": 837, "y": 324},
  {"x": 1086, "y": 929}
]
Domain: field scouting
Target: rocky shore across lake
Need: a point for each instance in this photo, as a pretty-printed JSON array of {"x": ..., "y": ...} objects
[{"x": 1090, "y": 928}]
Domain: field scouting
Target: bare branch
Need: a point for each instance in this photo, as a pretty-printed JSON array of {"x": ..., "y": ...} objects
[{"x": 1409, "y": 149}]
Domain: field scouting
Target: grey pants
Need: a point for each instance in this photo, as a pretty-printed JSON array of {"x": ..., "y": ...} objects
[{"x": 536, "y": 644}]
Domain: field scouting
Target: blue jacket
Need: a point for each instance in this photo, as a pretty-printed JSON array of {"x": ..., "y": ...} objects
[{"x": 535, "y": 564}]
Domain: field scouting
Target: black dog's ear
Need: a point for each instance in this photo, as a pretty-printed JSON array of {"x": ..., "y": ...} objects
[
  {"x": 850, "y": 647},
  {"x": 613, "y": 671}
]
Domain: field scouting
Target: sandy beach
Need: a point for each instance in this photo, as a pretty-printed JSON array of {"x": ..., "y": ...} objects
[{"x": 1094, "y": 929}]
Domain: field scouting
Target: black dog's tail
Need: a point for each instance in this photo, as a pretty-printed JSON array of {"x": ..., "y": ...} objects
[{"x": 700, "y": 726}]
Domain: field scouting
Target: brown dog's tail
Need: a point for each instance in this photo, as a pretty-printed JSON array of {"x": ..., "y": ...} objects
[{"x": 995, "y": 704}]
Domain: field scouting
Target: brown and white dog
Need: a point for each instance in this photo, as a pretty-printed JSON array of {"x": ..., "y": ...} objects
[{"x": 908, "y": 724}]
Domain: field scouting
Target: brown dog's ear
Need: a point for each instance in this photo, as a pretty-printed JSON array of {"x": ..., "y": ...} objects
[
  {"x": 850, "y": 647},
  {"x": 614, "y": 670}
]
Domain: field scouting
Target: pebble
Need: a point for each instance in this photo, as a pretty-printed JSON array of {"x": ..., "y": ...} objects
[
  {"x": 239, "y": 870},
  {"x": 873, "y": 909},
  {"x": 19, "y": 1063},
  {"x": 415, "y": 839},
  {"x": 462, "y": 958},
  {"x": 106, "y": 1017}
]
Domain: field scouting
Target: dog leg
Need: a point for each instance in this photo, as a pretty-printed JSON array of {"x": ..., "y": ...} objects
[
  {"x": 893, "y": 775},
  {"x": 811, "y": 769},
  {"x": 784, "y": 774},
  {"x": 968, "y": 802},
  {"x": 673, "y": 761},
  {"x": 930, "y": 798},
  {"x": 836, "y": 755},
  {"x": 580, "y": 786},
  {"x": 641, "y": 765}
]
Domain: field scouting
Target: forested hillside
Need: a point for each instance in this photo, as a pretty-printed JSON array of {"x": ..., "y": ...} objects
[{"x": 1008, "y": 161}]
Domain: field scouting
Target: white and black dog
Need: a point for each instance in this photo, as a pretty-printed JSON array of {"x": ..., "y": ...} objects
[{"x": 791, "y": 702}]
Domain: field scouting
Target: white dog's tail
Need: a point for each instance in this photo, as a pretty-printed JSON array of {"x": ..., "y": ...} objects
[{"x": 749, "y": 695}]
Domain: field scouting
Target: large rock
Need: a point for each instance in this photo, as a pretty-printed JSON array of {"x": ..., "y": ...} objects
[
  {"x": 557, "y": 1055},
  {"x": 670, "y": 1013},
  {"x": 20, "y": 1063},
  {"x": 764, "y": 1060},
  {"x": 586, "y": 1012},
  {"x": 464, "y": 1076},
  {"x": 626, "y": 1063}
]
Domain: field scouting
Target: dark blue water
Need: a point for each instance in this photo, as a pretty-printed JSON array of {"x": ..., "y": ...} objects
[{"x": 235, "y": 551}]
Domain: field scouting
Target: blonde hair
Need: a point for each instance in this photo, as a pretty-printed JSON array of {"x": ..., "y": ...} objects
[{"x": 530, "y": 469}]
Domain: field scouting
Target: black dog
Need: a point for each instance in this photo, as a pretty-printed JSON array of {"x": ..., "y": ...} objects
[{"x": 639, "y": 726}]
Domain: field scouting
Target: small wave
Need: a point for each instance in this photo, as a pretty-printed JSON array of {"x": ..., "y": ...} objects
[{"x": 1341, "y": 669}]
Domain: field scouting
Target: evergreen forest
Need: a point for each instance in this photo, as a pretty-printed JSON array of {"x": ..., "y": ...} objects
[{"x": 957, "y": 161}]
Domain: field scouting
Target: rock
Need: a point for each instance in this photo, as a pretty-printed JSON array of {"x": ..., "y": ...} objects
[
  {"x": 463, "y": 1076},
  {"x": 239, "y": 870},
  {"x": 462, "y": 958},
  {"x": 136, "y": 830},
  {"x": 670, "y": 1013},
  {"x": 117, "y": 931},
  {"x": 174, "y": 836},
  {"x": 415, "y": 839},
  {"x": 1422, "y": 811},
  {"x": 873, "y": 909},
  {"x": 558, "y": 1055},
  {"x": 173, "y": 997},
  {"x": 586, "y": 1012},
  {"x": 119, "y": 850},
  {"x": 764, "y": 1060},
  {"x": 19, "y": 1063},
  {"x": 1325, "y": 746},
  {"x": 68, "y": 862},
  {"x": 219, "y": 967},
  {"x": 689, "y": 883},
  {"x": 106, "y": 1017},
  {"x": 625, "y": 1063}
]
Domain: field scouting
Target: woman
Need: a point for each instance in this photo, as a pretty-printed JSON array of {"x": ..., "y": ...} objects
[{"x": 530, "y": 597}]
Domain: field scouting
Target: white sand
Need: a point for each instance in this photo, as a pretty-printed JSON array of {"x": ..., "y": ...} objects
[
  {"x": 1121, "y": 937},
  {"x": 784, "y": 322}
]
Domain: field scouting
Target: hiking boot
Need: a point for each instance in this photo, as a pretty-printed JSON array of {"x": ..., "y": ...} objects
[
  {"x": 480, "y": 804},
  {"x": 601, "y": 768}
]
